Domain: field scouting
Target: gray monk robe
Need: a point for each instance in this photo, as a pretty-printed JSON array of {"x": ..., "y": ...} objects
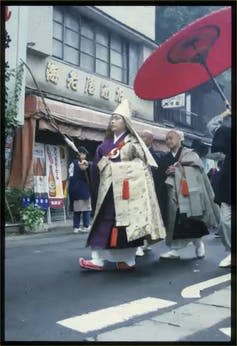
[{"x": 189, "y": 217}]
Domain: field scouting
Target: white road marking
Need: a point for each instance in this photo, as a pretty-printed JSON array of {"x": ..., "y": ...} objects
[
  {"x": 226, "y": 331},
  {"x": 193, "y": 291},
  {"x": 177, "y": 324},
  {"x": 116, "y": 314}
]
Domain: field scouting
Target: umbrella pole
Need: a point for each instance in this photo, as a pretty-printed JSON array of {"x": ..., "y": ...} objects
[{"x": 218, "y": 88}]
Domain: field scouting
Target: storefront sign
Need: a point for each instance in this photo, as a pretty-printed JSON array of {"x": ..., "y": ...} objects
[
  {"x": 174, "y": 102},
  {"x": 72, "y": 80},
  {"x": 42, "y": 202},
  {"x": 64, "y": 168},
  {"x": 26, "y": 201},
  {"x": 91, "y": 86},
  {"x": 39, "y": 172},
  {"x": 52, "y": 73},
  {"x": 54, "y": 176},
  {"x": 104, "y": 91}
]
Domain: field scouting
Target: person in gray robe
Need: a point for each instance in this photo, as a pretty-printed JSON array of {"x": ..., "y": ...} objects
[{"x": 188, "y": 198}]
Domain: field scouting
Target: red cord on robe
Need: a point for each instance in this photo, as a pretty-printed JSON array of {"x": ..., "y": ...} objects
[
  {"x": 125, "y": 192},
  {"x": 114, "y": 237},
  {"x": 184, "y": 187}
]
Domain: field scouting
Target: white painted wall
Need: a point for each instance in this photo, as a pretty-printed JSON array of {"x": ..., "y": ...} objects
[
  {"x": 40, "y": 30},
  {"x": 139, "y": 18}
]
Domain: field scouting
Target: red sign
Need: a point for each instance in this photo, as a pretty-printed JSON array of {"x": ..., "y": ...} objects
[{"x": 56, "y": 203}]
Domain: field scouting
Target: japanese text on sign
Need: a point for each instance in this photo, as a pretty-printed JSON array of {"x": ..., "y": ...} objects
[
  {"x": 90, "y": 85},
  {"x": 52, "y": 73}
]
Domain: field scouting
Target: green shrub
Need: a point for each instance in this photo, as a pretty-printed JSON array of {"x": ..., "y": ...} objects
[
  {"x": 13, "y": 201},
  {"x": 32, "y": 216}
]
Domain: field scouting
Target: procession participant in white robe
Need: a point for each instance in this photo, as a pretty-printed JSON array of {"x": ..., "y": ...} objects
[{"x": 127, "y": 211}]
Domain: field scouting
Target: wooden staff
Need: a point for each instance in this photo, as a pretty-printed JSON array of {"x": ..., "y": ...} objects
[{"x": 49, "y": 115}]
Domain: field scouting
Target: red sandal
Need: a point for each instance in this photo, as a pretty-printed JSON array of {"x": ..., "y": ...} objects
[
  {"x": 86, "y": 264},
  {"x": 124, "y": 266}
]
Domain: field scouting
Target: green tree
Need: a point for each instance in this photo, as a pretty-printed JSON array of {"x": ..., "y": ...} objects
[{"x": 170, "y": 19}]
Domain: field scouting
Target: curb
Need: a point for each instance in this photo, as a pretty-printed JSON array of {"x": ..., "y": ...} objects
[{"x": 51, "y": 229}]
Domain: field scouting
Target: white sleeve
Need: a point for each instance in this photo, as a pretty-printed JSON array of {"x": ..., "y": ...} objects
[
  {"x": 214, "y": 124},
  {"x": 71, "y": 170}
]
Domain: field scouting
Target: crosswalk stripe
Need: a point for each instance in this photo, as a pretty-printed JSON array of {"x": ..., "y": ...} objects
[
  {"x": 193, "y": 291},
  {"x": 116, "y": 314},
  {"x": 181, "y": 322},
  {"x": 226, "y": 331}
]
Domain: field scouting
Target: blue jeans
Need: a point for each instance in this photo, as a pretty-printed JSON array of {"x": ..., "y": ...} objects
[{"x": 77, "y": 218}]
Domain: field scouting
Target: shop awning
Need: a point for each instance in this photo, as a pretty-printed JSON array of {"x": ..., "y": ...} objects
[
  {"x": 75, "y": 121},
  {"x": 80, "y": 122}
]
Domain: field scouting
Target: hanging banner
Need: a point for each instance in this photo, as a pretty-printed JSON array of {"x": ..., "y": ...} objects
[
  {"x": 40, "y": 178},
  {"x": 64, "y": 169},
  {"x": 54, "y": 176}
]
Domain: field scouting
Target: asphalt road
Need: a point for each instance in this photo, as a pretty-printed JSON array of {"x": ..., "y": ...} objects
[{"x": 44, "y": 285}]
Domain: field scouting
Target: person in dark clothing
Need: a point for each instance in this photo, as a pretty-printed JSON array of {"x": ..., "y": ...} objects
[
  {"x": 79, "y": 194},
  {"x": 199, "y": 147},
  {"x": 222, "y": 143},
  {"x": 157, "y": 173},
  {"x": 202, "y": 150},
  {"x": 214, "y": 177},
  {"x": 148, "y": 139}
]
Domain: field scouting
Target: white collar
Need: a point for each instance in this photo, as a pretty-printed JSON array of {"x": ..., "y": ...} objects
[
  {"x": 174, "y": 153},
  {"x": 117, "y": 137}
]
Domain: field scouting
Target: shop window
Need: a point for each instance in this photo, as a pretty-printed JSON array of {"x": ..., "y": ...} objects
[
  {"x": 101, "y": 68},
  {"x": 92, "y": 47},
  {"x": 57, "y": 15},
  {"x": 102, "y": 37},
  {"x": 58, "y": 49},
  {"x": 71, "y": 38},
  {"x": 71, "y": 55}
]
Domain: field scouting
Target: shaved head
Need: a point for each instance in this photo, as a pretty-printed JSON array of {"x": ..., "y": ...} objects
[
  {"x": 147, "y": 137},
  {"x": 173, "y": 140},
  {"x": 174, "y": 133}
]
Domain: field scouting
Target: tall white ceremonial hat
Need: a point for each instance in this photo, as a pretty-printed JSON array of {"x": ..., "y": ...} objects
[{"x": 123, "y": 109}]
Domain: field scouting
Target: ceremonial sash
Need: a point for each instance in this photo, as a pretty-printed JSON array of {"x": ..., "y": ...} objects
[{"x": 114, "y": 153}]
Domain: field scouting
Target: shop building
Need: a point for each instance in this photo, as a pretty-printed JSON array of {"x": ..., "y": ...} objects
[{"x": 84, "y": 59}]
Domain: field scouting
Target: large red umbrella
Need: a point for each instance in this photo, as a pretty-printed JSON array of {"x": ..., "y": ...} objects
[{"x": 189, "y": 58}]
